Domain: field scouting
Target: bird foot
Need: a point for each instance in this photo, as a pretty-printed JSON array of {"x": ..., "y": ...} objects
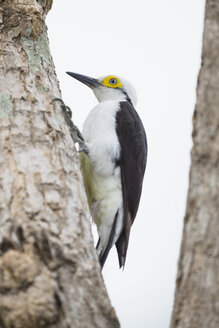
[{"x": 74, "y": 131}]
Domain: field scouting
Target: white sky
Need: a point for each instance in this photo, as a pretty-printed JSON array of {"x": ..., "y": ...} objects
[{"x": 156, "y": 45}]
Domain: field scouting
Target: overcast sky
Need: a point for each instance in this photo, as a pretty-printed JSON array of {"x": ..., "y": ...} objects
[{"x": 156, "y": 45}]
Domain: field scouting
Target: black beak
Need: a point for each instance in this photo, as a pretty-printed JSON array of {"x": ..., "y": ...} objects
[{"x": 89, "y": 81}]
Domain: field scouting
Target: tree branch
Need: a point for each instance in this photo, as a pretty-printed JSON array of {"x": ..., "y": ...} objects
[
  {"x": 49, "y": 271},
  {"x": 197, "y": 289}
]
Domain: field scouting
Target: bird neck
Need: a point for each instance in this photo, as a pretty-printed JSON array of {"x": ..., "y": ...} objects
[{"x": 110, "y": 94}]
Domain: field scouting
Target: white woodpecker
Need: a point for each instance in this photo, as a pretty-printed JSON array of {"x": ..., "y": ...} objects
[{"x": 114, "y": 167}]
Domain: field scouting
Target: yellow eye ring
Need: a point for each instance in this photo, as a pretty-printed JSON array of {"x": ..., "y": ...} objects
[{"x": 112, "y": 82}]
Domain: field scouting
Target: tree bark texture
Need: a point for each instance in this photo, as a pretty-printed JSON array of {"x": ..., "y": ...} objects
[
  {"x": 197, "y": 287},
  {"x": 49, "y": 271}
]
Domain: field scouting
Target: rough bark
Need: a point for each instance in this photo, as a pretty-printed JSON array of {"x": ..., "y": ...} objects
[
  {"x": 197, "y": 287},
  {"x": 49, "y": 271}
]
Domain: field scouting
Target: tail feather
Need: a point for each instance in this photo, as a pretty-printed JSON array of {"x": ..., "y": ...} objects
[
  {"x": 104, "y": 253},
  {"x": 121, "y": 250},
  {"x": 123, "y": 240}
]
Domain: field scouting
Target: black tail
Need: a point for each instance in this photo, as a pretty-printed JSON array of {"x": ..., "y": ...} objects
[
  {"x": 121, "y": 249},
  {"x": 123, "y": 240},
  {"x": 103, "y": 255}
]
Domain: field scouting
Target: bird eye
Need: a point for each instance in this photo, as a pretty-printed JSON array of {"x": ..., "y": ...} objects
[{"x": 113, "y": 81}]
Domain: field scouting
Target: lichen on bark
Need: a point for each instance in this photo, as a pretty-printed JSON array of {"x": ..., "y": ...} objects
[{"x": 49, "y": 271}]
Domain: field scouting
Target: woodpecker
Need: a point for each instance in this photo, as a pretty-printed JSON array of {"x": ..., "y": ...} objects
[{"x": 113, "y": 166}]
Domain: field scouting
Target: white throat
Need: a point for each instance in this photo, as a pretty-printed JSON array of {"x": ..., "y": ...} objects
[{"x": 104, "y": 93}]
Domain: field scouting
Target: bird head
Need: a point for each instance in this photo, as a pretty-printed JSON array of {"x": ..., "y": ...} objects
[{"x": 109, "y": 87}]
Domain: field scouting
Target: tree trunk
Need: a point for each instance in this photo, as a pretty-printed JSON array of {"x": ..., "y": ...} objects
[
  {"x": 197, "y": 287},
  {"x": 49, "y": 271}
]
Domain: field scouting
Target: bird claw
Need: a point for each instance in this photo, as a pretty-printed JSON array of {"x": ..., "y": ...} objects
[
  {"x": 74, "y": 131},
  {"x": 83, "y": 149},
  {"x": 66, "y": 109}
]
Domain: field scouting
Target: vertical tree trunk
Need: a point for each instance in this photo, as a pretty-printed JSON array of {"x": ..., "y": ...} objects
[
  {"x": 197, "y": 288},
  {"x": 49, "y": 272}
]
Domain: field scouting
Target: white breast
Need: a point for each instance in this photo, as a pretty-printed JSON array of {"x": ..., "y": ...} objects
[{"x": 99, "y": 132}]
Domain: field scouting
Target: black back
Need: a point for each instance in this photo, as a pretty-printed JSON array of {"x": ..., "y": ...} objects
[{"x": 133, "y": 142}]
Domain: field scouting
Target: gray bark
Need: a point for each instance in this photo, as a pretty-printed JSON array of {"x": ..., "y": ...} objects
[
  {"x": 197, "y": 287},
  {"x": 49, "y": 271}
]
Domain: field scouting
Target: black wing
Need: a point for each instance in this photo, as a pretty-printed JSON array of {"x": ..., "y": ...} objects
[{"x": 133, "y": 159}]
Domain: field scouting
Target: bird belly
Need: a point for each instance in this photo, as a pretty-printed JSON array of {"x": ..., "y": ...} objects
[{"x": 102, "y": 178}]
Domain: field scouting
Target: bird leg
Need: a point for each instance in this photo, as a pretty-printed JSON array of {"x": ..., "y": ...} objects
[{"x": 74, "y": 131}]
